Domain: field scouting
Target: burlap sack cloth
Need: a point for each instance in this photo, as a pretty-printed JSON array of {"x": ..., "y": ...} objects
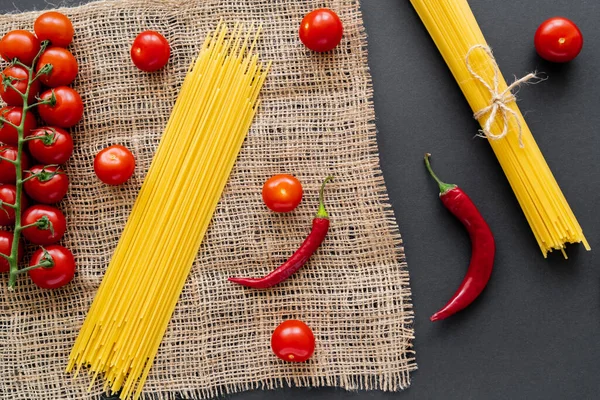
[{"x": 316, "y": 119}]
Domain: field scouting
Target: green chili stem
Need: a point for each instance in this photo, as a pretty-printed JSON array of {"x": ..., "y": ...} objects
[
  {"x": 444, "y": 187},
  {"x": 322, "y": 212}
]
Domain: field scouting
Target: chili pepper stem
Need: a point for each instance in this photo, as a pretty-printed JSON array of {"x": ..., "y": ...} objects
[
  {"x": 13, "y": 258},
  {"x": 322, "y": 212},
  {"x": 444, "y": 187}
]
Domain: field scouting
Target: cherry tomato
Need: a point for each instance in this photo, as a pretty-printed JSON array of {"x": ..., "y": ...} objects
[
  {"x": 66, "y": 111},
  {"x": 8, "y": 170},
  {"x": 293, "y": 341},
  {"x": 21, "y": 76},
  {"x": 55, "y": 27},
  {"x": 6, "y": 242},
  {"x": 49, "y": 187},
  {"x": 282, "y": 193},
  {"x": 51, "y": 150},
  {"x": 14, "y": 115},
  {"x": 19, "y": 44},
  {"x": 59, "y": 274},
  {"x": 114, "y": 164},
  {"x": 64, "y": 67},
  {"x": 558, "y": 40},
  {"x": 150, "y": 51},
  {"x": 8, "y": 195},
  {"x": 44, "y": 236},
  {"x": 321, "y": 30}
]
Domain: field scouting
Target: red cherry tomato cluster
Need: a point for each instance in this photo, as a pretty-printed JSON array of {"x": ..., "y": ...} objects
[{"x": 44, "y": 181}]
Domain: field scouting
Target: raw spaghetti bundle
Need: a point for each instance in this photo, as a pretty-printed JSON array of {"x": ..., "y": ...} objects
[
  {"x": 208, "y": 124},
  {"x": 458, "y": 37}
]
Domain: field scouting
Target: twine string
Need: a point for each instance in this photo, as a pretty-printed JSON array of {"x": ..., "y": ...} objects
[{"x": 499, "y": 101}]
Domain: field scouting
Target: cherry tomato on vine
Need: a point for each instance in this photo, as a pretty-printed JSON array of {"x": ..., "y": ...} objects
[
  {"x": 293, "y": 341},
  {"x": 114, "y": 164},
  {"x": 55, "y": 27},
  {"x": 7, "y": 169},
  {"x": 64, "y": 67},
  {"x": 19, "y": 44},
  {"x": 59, "y": 274},
  {"x": 49, "y": 187},
  {"x": 54, "y": 149},
  {"x": 6, "y": 242},
  {"x": 14, "y": 115},
  {"x": 282, "y": 193},
  {"x": 44, "y": 236},
  {"x": 558, "y": 40},
  {"x": 8, "y": 195},
  {"x": 21, "y": 76},
  {"x": 66, "y": 111},
  {"x": 321, "y": 30},
  {"x": 150, "y": 51}
]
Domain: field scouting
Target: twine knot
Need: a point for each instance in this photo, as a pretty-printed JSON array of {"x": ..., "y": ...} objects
[{"x": 499, "y": 101}]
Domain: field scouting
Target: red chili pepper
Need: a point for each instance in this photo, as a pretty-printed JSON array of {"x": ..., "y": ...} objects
[
  {"x": 483, "y": 246},
  {"x": 320, "y": 226}
]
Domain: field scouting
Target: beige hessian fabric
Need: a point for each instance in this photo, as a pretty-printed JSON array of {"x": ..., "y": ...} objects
[{"x": 316, "y": 119}]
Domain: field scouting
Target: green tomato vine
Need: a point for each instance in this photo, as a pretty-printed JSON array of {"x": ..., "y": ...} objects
[{"x": 43, "y": 222}]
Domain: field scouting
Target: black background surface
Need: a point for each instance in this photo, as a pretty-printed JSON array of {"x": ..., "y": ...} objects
[{"x": 535, "y": 332}]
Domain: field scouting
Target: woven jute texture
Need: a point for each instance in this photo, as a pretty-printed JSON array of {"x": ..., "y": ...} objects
[{"x": 316, "y": 119}]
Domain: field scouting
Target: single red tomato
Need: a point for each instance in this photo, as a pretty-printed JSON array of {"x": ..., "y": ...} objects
[
  {"x": 49, "y": 186},
  {"x": 19, "y": 44},
  {"x": 321, "y": 30},
  {"x": 55, "y": 27},
  {"x": 64, "y": 67},
  {"x": 150, "y": 51},
  {"x": 61, "y": 271},
  {"x": 55, "y": 145},
  {"x": 282, "y": 193},
  {"x": 21, "y": 76},
  {"x": 6, "y": 242},
  {"x": 66, "y": 111},
  {"x": 8, "y": 173},
  {"x": 558, "y": 40},
  {"x": 56, "y": 224},
  {"x": 293, "y": 341},
  {"x": 14, "y": 115},
  {"x": 114, "y": 164},
  {"x": 8, "y": 195}
]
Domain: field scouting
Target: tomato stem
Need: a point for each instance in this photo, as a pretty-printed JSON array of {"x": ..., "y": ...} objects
[
  {"x": 14, "y": 253},
  {"x": 51, "y": 101},
  {"x": 5, "y": 121},
  {"x": 14, "y": 162},
  {"x": 48, "y": 138},
  {"x": 7, "y": 84},
  {"x": 45, "y": 70},
  {"x": 3, "y": 203}
]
